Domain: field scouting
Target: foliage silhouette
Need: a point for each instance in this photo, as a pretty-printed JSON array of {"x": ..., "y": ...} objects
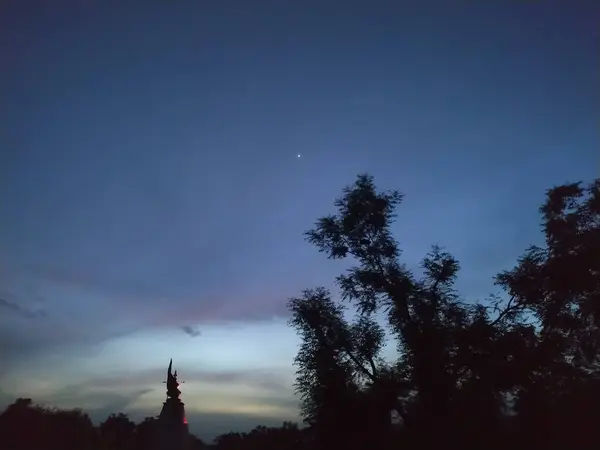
[
  {"x": 475, "y": 374},
  {"x": 118, "y": 432},
  {"x": 25, "y": 426}
]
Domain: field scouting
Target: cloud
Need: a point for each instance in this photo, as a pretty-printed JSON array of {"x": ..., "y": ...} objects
[
  {"x": 271, "y": 381},
  {"x": 158, "y": 297},
  {"x": 20, "y": 310},
  {"x": 82, "y": 311},
  {"x": 259, "y": 379},
  {"x": 191, "y": 331},
  {"x": 118, "y": 403},
  {"x": 98, "y": 403}
]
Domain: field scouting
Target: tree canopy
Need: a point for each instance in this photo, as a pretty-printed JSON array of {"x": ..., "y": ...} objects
[{"x": 477, "y": 372}]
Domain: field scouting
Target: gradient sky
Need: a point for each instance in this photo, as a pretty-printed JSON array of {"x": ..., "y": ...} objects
[{"x": 153, "y": 203}]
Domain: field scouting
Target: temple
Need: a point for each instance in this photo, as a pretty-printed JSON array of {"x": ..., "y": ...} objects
[{"x": 172, "y": 422}]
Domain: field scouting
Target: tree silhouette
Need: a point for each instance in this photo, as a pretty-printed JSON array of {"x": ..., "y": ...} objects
[
  {"x": 460, "y": 363},
  {"x": 559, "y": 286},
  {"x": 117, "y": 432},
  {"x": 286, "y": 437},
  {"x": 195, "y": 443},
  {"x": 361, "y": 230},
  {"x": 146, "y": 433},
  {"x": 26, "y": 426}
]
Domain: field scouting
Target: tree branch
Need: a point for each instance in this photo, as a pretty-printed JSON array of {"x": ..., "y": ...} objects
[
  {"x": 510, "y": 307},
  {"x": 345, "y": 347},
  {"x": 371, "y": 376},
  {"x": 373, "y": 368}
]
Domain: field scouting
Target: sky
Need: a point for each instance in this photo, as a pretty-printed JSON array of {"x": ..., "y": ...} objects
[{"x": 153, "y": 201}]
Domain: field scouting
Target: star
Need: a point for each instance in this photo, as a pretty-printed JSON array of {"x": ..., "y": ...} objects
[{"x": 298, "y": 155}]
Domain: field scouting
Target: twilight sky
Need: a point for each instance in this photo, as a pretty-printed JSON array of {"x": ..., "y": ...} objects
[{"x": 153, "y": 203}]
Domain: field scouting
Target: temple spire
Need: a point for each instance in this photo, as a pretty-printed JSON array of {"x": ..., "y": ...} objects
[
  {"x": 172, "y": 384},
  {"x": 173, "y": 431}
]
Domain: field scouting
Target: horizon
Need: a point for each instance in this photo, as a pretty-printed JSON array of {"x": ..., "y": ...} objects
[{"x": 155, "y": 202}]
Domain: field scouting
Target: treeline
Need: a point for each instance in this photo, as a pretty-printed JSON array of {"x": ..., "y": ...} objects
[
  {"x": 25, "y": 426},
  {"x": 518, "y": 370}
]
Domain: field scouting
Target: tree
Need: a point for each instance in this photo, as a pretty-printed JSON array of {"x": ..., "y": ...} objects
[
  {"x": 447, "y": 347},
  {"x": 230, "y": 441},
  {"x": 146, "y": 433},
  {"x": 117, "y": 431},
  {"x": 558, "y": 285},
  {"x": 195, "y": 443},
  {"x": 286, "y": 437},
  {"x": 24, "y": 425},
  {"x": 325, "y": 382}
]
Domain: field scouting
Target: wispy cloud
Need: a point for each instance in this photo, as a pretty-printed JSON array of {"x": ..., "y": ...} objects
[
  {"x": 273, "y": 381},
  {"x": 257, "y": 379},
  {"x": 21, "y": 310},
  {"x": 86, "y": 310},
  {"x": 191, "y": 331},
  {"x": 158, "y": 296},
  {"x": 99, "y": 403}
]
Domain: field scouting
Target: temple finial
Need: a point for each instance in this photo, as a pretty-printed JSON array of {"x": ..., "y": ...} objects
[{"x": 172, "y": 384}]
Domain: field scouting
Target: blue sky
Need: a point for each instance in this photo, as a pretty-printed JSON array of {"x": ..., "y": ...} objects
[{"x": 150, "y": 179}]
